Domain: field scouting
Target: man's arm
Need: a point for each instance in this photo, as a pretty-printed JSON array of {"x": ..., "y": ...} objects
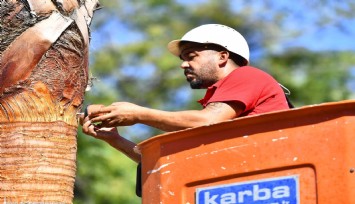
[
  {"x": 123, "y": 114},
  {"x": 112, "y": 137}
]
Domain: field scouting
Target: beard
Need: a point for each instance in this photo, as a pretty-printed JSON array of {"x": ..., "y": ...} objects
[
  {"x": 196, "y": 84},
  {"x": 201, "y": 80},
  {"x": 193, "y": 79}
]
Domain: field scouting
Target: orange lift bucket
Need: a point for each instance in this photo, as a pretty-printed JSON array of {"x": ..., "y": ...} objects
[{"x": 300, "y": 156}]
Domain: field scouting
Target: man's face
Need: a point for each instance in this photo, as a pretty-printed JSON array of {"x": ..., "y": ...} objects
[{"x": 200, "y": 65}]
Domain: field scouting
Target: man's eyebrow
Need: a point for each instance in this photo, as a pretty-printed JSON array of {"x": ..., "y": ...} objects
[{"x": 186, "y": 52}]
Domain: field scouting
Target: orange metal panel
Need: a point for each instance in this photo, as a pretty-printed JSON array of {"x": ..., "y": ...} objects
[{"x": 313, "y": 143}]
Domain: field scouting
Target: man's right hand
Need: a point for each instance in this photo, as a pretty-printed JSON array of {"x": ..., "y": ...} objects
[
  {"x": 117, "y": 114},
  {"x": 83, "y": 116}
]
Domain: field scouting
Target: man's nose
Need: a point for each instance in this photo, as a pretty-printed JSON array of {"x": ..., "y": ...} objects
[{"x": 184, "y": 64}]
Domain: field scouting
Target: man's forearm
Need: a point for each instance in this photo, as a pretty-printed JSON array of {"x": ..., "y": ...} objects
[
  {"x": 126, "y": 147},
  {"x": 172, "y": 121}
]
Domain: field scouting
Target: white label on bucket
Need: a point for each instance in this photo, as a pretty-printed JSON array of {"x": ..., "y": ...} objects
[{"x": 279, "y": 190}]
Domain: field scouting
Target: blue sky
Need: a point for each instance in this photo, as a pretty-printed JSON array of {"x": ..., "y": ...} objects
[
  {"x": 328, "y": 38},
  {"x": 337, "y": 36}
]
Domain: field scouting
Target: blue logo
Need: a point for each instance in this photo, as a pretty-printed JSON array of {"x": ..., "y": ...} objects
[{"x": 280, "y": 190}]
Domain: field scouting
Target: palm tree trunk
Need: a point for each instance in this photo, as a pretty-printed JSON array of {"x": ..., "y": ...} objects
[{"x": 43, "y": 76}]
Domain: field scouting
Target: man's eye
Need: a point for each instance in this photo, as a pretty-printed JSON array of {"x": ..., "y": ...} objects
[
  {"x": 191, "y": 56},
  {"x": 188, "y": 56}
]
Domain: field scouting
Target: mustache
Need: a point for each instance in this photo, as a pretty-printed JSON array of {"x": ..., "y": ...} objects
[{"x": 188, "y": 71}]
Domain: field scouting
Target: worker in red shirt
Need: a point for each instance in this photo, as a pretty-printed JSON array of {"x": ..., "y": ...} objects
[{"x": 214, "y": 57}]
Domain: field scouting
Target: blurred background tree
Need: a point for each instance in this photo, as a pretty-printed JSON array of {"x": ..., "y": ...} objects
[{"x": 306, "y": 46}]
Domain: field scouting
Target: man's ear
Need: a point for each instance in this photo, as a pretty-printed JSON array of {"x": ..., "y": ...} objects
[{"x": 223, "y": 58}]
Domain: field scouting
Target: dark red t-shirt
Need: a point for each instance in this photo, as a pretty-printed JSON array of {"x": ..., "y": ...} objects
[{"x": 257, "y": 90}]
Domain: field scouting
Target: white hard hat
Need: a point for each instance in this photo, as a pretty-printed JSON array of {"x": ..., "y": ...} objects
[{"x": 217, "y": 34}]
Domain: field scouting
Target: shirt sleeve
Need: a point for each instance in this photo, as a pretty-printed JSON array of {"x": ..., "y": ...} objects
[{"x": 243, "y": 85}]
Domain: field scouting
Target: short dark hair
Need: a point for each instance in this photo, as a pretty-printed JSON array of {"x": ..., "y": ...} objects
[{"x": 239, "y": 60}]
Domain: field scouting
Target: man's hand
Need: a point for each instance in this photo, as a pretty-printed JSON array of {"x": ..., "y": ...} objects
[
  {"x": 109, "y": 135},
  {"x": 117, "y": 114},
  {"x": 83, "y": 116},
  {"x": 112, "y": 137}
]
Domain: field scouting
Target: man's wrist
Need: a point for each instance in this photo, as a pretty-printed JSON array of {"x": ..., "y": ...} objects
[
  {"x": 114, "y": 139},
  {"x": 144, "y": 115}
]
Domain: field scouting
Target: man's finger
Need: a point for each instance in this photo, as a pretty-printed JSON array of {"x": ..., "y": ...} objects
[
  {"x": 94, "y": 109},
  {"x": 101, "y": 118},
  {"x": 89, "y": 128},
  {"x": 86, "y": 126},
  {"x": 98, "y": 110}
]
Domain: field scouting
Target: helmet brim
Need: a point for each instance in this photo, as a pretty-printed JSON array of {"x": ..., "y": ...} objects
[{"x": 174, "y": 47}]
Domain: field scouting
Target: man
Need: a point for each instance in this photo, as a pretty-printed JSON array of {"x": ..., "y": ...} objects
[{"x": 214, "y": 57}]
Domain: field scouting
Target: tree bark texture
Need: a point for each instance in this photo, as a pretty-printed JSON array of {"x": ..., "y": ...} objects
[{"x": 43, "y": 76}]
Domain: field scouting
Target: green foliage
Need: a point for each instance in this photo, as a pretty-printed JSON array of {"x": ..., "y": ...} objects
[
  {"x": 140, "y": 69},
  {"x": 313, "y": 77},
  {"x": 104, "y": 175}
]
